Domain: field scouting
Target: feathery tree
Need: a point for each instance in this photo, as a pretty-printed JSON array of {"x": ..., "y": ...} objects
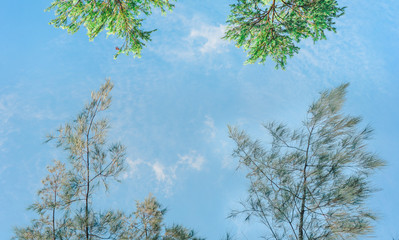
[
  {"x": 147, "y": 220},
  {"x": 92, "y": 162},
  {"x": 122, "y": 18},
  {"x": 51, "y": 204},
  {"x": 313, "y": 182},
  {"x": 70, "y": 188},
  {"x": 275, "y": 27},
  {"x": 146, "y": 223},
  {"x": 66, "y": 207}
]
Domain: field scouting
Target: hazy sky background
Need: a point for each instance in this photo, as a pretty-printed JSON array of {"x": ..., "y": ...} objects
[{"x": 171, "y": 107}]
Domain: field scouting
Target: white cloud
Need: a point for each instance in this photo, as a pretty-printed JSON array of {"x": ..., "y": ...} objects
[
  {"x": 7, "y": 111},
  {"x": 165, "y": 175},
  {"x": 347, "y": 54},
  {"x": 210, "y": 128},
  {"x": 132, "y": 167},
  {"x": 192, "y": 39},
  {"x": 159, "y": 171},
  {"x": 212, "y": 36},
  {"x": 193, "y": 160},
  {"x": 228, "y": 162},
  {"x": 218, "y": 143}
]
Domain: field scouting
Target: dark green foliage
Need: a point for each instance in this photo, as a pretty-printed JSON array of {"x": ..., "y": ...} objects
[
  {"x": 122, "y": 18},
  {"x": 275, "y": 27},
  {"x": 313, "y": 182}
]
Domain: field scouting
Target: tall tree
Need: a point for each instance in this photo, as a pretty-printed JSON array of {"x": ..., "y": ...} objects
[
  {"x": 275, "y": 27},
  {"x": 92, "y": 161},
  {"x": 122, "y": 18},
  {"x": 65, "y": 205},
  {"x": 313, "y": 182}
]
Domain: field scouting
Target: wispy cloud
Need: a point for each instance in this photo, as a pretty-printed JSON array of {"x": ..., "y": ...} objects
[
  {"x": 194, "y": 39},
  {"x": 7, "y": 111},
  {"x": 347, "y": 54},
  {"x": 165, "y": 175},
  {"x": 210, "y": 129},
  {"x": 218, "y": 142},
  {"x": 192, "y": 160},
  {"x": 132, "y": 167},
  {"x": 212, "y": 36},
  {"x": 160, "y": 172}
]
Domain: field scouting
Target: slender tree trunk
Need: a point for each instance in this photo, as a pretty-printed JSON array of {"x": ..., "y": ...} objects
[
  {"x": 302, "y": 211},
  {"x": 145, "y": 227},
  {"x": 87, "y": 187},
  {"x": 55, "y": 203},
  {"x": 88, "y": 171}
]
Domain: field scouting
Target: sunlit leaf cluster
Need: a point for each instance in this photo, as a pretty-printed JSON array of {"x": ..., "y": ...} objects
[
  {"x": 123, "y": 18},
  {"x": 273, "y": 28}
]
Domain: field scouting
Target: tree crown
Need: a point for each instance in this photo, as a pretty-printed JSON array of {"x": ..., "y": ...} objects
[{"x": 312, "y": 182}]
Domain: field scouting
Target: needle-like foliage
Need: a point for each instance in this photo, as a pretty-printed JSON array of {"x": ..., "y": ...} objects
[
  {"x": 147, "y": 223},
  {"x": 53, "y": 222},
  {"x": 65, "y": 207},
  {"x": 273, "y": 28},
  {"x": 92, "y": 161},
  {"x": 70, "y": 187},
  {"x": 122, "y": 18},
  {"x": 311, "y": 183}
]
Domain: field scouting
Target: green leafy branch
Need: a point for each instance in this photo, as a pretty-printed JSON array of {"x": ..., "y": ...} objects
[
  {"x": 122, "y": 18},
  {"x": 275, "y": 27}
]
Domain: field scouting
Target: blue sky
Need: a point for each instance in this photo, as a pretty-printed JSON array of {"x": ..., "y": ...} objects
[{"x": 171, "y": 107}]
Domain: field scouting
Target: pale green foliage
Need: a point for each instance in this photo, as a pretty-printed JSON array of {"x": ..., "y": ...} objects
[
  {"x": 69, "y": 189},
  {"x": 52, "y": 204},
  {"x": 178, "y": 232},
  {"x": 146, "y": 223},
  {"x": 313, "y": 182},
  {"x": 275, "y": 27},
  {"x": 148, "y": 219},
  {"x": 122, "y": 18},
  {"x": 52, "y": 188},
  {"x": 66, "y": 207},
  {"x": 92, "y": 162}
]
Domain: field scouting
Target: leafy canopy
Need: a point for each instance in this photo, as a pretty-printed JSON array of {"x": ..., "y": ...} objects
[
  {"x": 122, "y": 18},
  {"x": 312, "y": 182},
  {"x": 262, "y": 27},
  {"x": 275, "y": 27}
]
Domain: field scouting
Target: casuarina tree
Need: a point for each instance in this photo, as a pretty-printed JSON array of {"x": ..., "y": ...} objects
[
  {"x": 310, "y": 183},
  {"x": 66, "y": 205}
]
